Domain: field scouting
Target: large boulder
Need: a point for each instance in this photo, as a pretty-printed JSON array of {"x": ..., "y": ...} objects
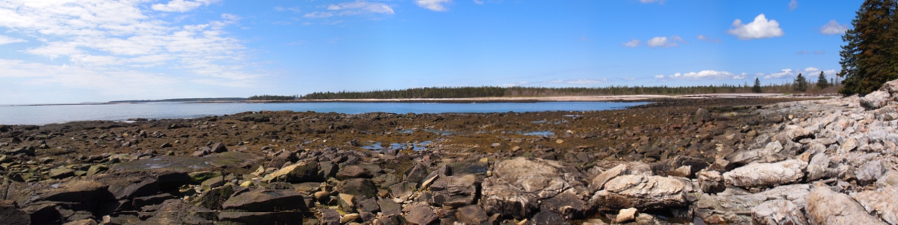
[
  {"x": 456, "y": 191},
  {"x": 262, "y": 200},
  {"x": 12, "y": 215},
  {"x": 730, "y": 205},
  {"x": 598, "y": 182},
  {"x": 875, "y": 100},
  {"x": 357, "y": 186},
  {"x": 641, "y": 192},
  {"x": 777, "y": 212},
  {"x": 828, "y": 207},
  {"x": 880, "y": 202},
  {"x": 766, "y": 174},
  {"x": 517, "y": 185},
  {"x": 304, "y": 171}
]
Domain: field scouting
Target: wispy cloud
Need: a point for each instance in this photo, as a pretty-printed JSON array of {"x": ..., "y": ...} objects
[
  {"x": 793, "y": 5},
  {"x": 352, "y": 8},
  {"x": 652, "y": 1},
  {"x": 666, "y": 42},
  {"x": 833, "y": 28},
  {"x": 705, "y": 38},
  {"x": 9, "y": 40},
  {"x": 790, "y": 73},
  {"x": 435, "y": 5},
  {"x": 632, "y": 43},
  {"x": 757, "y": 29},
  {"x": 181, "y": 5},
  {"x": 292, "y": 9},
  {"x": 704, "y": 75}
]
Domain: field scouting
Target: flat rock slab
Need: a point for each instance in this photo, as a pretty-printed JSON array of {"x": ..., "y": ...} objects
[
  {"x": 778, "y": 212},
  {"x": 286, "y": 218},
  {"x": 188, "y": 164},
  {"x": 828, "y": 207},
  {"x": 766, "y": 174},
  {"x": 641, "y": 192},
  {"x": 881, "y": 202},
  {"x": 300, "y": 172},
  {"x": 261, "y": 200}
]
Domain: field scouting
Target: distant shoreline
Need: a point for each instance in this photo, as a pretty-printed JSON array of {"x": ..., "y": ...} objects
[{"x": 593, "y": 98}]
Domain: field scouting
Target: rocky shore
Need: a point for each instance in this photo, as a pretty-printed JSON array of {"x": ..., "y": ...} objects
[{"x": 701, "y": 161}]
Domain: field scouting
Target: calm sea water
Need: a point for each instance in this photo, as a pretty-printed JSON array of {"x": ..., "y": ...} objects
[{"x": 39, "y": 115}]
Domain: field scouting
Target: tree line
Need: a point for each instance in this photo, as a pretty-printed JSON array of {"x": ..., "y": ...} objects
[
  {"x": 869, "y": 57},
  {"x": 272, "y": 97},
  {"x": 798, "y": 86}
]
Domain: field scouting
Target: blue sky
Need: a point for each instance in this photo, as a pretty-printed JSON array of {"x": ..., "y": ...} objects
[{"x": 69, "y": 51}]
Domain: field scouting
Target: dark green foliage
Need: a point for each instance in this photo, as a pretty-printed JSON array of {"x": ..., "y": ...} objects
[
  {"x": 822, "y": 82},
  {"x": 870, "y": 55},
  {"x": 478, "y": 92},
  {"x": 800, "y": 84},
  {"x": 272, "y": 97},
  {"x": 180, "y": 100},
  {"x": 757, "y": 87}
]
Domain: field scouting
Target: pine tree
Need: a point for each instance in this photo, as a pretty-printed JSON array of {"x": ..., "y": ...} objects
[
  {"x": 822, "y": 82},
  {"x": 869, "y": 56},
  {"x": 757, "y": 87},
  {"x": 800, "y": 84}
]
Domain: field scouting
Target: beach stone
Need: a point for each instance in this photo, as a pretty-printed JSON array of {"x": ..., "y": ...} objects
[
  {"x": 869, "y": 171},
  {"x": 731, "y": 205},
  {"x": 795, "y": 133},
  {"x": 60, "y": 173},
  {"x": 214, "y": 198},
  {"x": 417, "y": 174},
  {"x": 304, "y": 171},
  {"x": 421, "y": 214},
  {"x": 880, "y": 202},
  {"x": 828, "y": 207},
  {"x": 598, "y": 182},
  {"x": 456, "y": 190},
  {"x": 875, "y": 100},
  {"x": 261, "y": 200},
  {"x": 83, "y": 192},
  {"x": 776, "y": 212},
  {"x": 625, "y": 215},
  {"x": 516, "y": 185},
  {"x": 546, "y": 217},
  {"x": 766, "y": 174},
  {"x": 286, "y": 218},
  {"x": 353, "y": 171},
  {"x": 175, "y": 211},
  {"x": 472, "y": 214},
  {"x": 389, "y": 207},
  {"x": 710, "y": 181},
  {"x": 95, "y": 169},
  {"x": 701, "y": 115},
  {"x": 641, "y": 192},
  {"x": 11, "y": 214},
  {"x": 329, "y": 217},
  {"x": 358, "y": 186}
]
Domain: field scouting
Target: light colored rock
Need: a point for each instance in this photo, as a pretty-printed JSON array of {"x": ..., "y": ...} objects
[
  {"x": 889, "y": 178},
  {"x": 880, "y": 202},
  {"x": 875, "y": 100},
  {"x": 818, "y": 166},
  {"x": 625, "y": 215},
  {"x": 766, "y": 174},
  {"x": 641, "y": 192},
  {"x": 517, "y": 185},
  {"x": 869, "y": 171},
  {"x": 599, "y": 181},
  {"x": 828, "y": 207},
  {"x": 303, "y": 171},
  {"x": 778, "y": 212},
  {"x": 848, "y": 145},
  {"x": 730, "y": 205},
  {"x": 796, "y": 133},
  {"x": 710, "y": 181}
]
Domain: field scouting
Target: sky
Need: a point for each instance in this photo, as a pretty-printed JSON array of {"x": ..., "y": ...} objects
[{"x": 73, "y": 51}]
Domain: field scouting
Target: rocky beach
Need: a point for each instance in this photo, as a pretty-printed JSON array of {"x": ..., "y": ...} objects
[{"x": 675, "y": 161}]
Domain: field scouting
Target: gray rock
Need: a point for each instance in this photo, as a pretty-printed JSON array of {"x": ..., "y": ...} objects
[
  {"x": 889, "y": 178},
  {"x": 472, "y": 214},
  {"x": 354, "y": 171},
  {"x": 625, "y": 215},
  {"x": 261, "y": 200},
  {"x": 12, "y": 215},
  {"x": 778, "y": 212},
  {"x": 389, "y": 208},
  {"x": 599, "y": 181},
  {"x": 214, "y": 198},
  {"x": 766, "y": 174},
  {"x": 367, "y": 205},
  {"x": 546, "y": 217},
  {"x": 421, "y": 214},
  {"x": 818, "y": 167},
  {"x": 60, "y": 173},
  {"x": 641, "y": 192},
  {"x": 456, "y": 190},
  {"x": 875, "y": 100},
  {"x": 880, "y": 202},
  {"x": 732, "y": 204},
  {"x": 701, "y": 115},
  {"x": 710, "y": 181},
  {"x": 828, "y": 207},
  {"x": 358, "y": 186},
  {"x": 417, "y": 174},
  {"x": 285, "y": 218},
  {"x": 850, "y": 144},
  {"x": 869, "y": 171},
  {"x": 175, "y": 211},
  {"x": 329, "y": 217},
  {"x": 796, "y": 133},
  {"x": 518, "y": 184},
  {"x": 303, "y": 171}
]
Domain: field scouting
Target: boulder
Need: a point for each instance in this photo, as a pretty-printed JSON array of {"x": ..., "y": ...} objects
[
  {"x": 880, "y": 202},
  {"x": 175, "y": 211},
  {"x": 421, "y": 214},
  {"x": 625, "y": 215},
  {"x": 357, "y": 186},
  {"x": 641, "y": 192},
  {"x": 303, "y": 171},
  {"x": 472, "y": 214},
  {"x": 701, "y": 115},
  {"x": 262, "y": 200},
  {"x": 731, "y": 205},
  {"x": 214, "y": 198},
  {"x": 710, "y": 181},
  {"x": 389, "y": 207},
  {"x": 870, "y": 171},
  {"x": 598, "y": 182},
  {"x": 86, "y": 193},
  {"x": 417, "y": 174},
  {"x": 875, "y": 100},
  {"x": 795, "y": 133},
  {"x": 828, "y": 207},
  {"x": 516, "y": 185},
  {"x": 456, "y": 190},
  {"x": 12, "y": 215},
  {"x": 354, "y": 171},
  {"x": 777, "y": 212},
  {"x": 766, "y": 174},
  {"x": 60, "y": 173}
]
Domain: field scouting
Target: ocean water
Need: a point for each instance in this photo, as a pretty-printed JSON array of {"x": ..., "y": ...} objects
[{"x": 39, "y": 115}]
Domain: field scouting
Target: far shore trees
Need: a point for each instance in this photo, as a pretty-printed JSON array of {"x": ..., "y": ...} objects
[
  {"x": 800, "y": 84},
  {"x": 822, "y": 82},
  {"x": 757, "y": 87}
]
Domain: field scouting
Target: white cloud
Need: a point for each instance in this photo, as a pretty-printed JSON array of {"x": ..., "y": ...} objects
[
  {"x": 479, "y": 2},
  {"x": 833, "y": 28},
  {"x": 318, "y": 15},
  {"x": 230, "y": 17},
  {"x": 793, "y": 5},
  {"x": 435, "y": 5},
  {"x": 9, "y": 40},
  {"x": 358, "y": 7},
  {"x": 292, "y": 9},
  {"x": 665, "y": 42},
  {"x": 759, "y": 28},
  {"x": 632, "y": 43},
  {"x": 707, "y": 39},
  {"x": 704, "y": 74},
  {"x": 181, "y": 5},
  {"x": 652, "y": 1},
  {"x": 790, "y": 73}
]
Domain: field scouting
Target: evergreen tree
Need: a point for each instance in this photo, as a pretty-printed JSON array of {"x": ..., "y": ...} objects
[
  {"x": 800, "y": 84},
  {"x": 822, "y": 82},
  {"x": 869, "y": 56},
  {"x": 757, "y": 87}
]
